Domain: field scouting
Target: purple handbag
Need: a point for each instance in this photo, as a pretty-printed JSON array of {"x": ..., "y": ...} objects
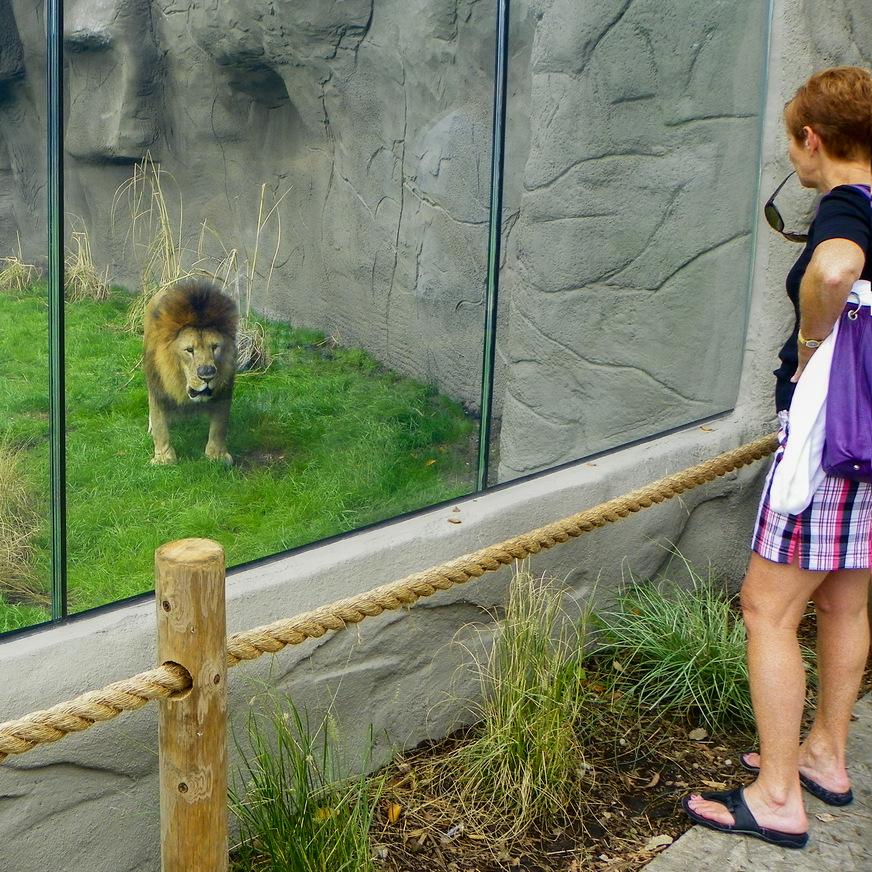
[{"x": 847, "y": 450}]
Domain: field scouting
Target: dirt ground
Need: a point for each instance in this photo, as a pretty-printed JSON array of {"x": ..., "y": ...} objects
[{"x": 631, "y": 813}]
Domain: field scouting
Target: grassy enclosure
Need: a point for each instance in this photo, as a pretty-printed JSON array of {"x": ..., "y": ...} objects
[{"x": 325, "y": 440}]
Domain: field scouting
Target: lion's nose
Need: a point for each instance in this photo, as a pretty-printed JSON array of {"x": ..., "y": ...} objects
[{"x": 206, "y": 372}]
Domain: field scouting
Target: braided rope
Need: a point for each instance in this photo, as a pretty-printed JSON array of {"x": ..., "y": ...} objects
[
  {"x": 269, "y": 639},
  {"x": 50, "y": 725},
  {"x": 90, "y": 708}
]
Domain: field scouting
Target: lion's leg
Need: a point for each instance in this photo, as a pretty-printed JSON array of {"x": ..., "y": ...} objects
[
  {"x": 159, "y": 427},
  {"x": 216, "y": 447}
]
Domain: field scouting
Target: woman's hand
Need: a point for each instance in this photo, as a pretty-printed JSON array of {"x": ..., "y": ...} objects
[{"x": 805, "y": 355}]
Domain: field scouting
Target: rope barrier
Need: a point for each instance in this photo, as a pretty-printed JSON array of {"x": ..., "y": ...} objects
[{"x": 50, "y": 725}]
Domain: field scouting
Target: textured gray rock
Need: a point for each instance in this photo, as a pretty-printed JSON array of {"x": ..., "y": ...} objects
[
  {"x": 633, "y": 238},
  {"x": 362, "y": 130}
]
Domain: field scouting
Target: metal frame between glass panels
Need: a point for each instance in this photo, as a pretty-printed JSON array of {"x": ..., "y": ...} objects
[{"x": 55, "y": 177}]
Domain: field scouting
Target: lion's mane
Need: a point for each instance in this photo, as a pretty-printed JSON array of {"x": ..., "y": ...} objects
[{"x": 194, "y": 303}]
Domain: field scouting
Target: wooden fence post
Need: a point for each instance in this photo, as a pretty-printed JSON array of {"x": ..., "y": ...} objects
[{"x": 189, "y": 584}]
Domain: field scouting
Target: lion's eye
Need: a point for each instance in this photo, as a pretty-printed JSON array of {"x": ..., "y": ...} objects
[
  {"x": 190, "y": 350},
  {"x": 215, "y": 346}
]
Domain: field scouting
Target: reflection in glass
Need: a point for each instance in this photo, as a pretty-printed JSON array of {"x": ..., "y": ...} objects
[{"x": 627, "y": 277}]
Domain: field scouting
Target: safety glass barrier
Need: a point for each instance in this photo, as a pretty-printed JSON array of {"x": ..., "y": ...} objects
[{"x": 461, "y": 243}]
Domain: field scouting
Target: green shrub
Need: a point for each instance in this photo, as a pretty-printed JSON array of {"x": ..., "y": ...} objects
[
  {"x": 296, "y": 813},
  {"x": 527, "y": 751},
  {"x": 680, "y": 651}
]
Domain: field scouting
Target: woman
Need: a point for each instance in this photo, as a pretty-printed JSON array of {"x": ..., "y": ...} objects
[{"x": 822, "y": 554}]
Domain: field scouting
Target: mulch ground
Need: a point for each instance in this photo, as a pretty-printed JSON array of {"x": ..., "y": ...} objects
[{"x": 631, "y": 813}]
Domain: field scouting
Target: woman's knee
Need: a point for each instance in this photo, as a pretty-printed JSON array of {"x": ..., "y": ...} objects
[
  {"x": 844, "y": 592},
  {"x": 775, "y": 596}
]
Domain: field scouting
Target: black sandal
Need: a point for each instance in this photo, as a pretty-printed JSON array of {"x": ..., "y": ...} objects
[
  {"x": 821, "y": 793},
  {"x": 744, "y": 823}
]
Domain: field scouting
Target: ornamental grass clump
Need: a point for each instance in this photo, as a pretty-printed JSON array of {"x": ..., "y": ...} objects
[
  {"x": 81, "y": 279},
  {"x": 296, "y": 813},
  {"x": 680, "y": 651},
  {"x": 525, "y": 758},
  {"x": 20, "y": 522},
  {"x": 16, "y": 275}
]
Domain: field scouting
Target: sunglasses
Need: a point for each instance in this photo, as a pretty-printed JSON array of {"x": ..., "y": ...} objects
[{"x": 776, "y": 222}]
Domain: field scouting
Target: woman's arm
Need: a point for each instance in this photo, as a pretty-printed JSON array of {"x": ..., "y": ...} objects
[{"x": 834, "y": 267}]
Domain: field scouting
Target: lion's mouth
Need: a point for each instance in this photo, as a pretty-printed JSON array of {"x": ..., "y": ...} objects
[{"x": 202, "y": 394}]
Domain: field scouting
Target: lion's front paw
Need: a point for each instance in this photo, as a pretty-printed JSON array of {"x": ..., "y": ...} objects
[
  {"x": 164, "y": 458},
  {"x": 220, "y": 457}
]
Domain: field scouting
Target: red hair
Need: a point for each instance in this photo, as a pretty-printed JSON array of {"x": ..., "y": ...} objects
[{"x": 836, "y": 104}]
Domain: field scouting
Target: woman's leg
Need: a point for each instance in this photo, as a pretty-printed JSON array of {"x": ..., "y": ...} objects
[
  {"x": 774, "y": 599},
  {"x": 843, "y": 648}
]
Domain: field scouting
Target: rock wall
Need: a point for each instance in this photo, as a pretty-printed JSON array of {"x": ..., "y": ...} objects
[
  {"x": 628, "y": 263},
  {"x": 332, "y": 160}
]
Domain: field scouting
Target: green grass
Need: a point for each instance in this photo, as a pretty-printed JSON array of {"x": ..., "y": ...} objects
[
  {"x": 296, "y": 811},
  {"x": 325, "y": 441},
  {"x": 680, "y": 651}
]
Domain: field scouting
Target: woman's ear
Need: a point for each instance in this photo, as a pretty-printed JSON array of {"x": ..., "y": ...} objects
[{"x": 811, "y": 140}]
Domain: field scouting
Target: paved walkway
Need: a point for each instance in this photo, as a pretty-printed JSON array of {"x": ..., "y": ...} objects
[{"x": 840, "y": 839}]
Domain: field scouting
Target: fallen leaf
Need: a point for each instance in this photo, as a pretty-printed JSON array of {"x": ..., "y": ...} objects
[
  {"x": 454, "y": 521},
  {"x": 654, "y": 781},
  {"x": 706, "y": 429},
  {"x": 656, "y": 842},
  {"x": 697, "y": 735},
  {"x": 717, "y": 785},
  {"x": 429, "y": 463},
  {"x": 825, "y": 817},
  {"x": 394, "y": 812}
]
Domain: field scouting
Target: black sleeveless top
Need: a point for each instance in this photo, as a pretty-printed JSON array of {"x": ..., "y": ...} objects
[{"x": 843, "y": 213}]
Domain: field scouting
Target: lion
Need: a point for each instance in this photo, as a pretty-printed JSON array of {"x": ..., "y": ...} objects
[{"x": 190, "y": 362}]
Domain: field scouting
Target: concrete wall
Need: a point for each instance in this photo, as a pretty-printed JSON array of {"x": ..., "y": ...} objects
[{"x": 91, "y": 801}]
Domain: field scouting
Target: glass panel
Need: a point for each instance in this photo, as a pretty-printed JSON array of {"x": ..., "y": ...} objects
[
  {"x": 329, "y": 164},
  {"x": 625, "y": 286},
  {"x": 25, "y": 563}
]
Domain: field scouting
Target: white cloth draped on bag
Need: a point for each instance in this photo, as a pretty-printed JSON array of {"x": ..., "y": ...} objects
[{"x": 799, "y": 473}]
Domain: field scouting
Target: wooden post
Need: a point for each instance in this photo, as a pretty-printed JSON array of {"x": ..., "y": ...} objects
[{"x": 189, "y": 583}]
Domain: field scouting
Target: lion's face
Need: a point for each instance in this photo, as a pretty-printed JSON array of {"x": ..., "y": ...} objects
[
  {"x": 202, "y": 355},
  {"x": 189, "y": 341}
]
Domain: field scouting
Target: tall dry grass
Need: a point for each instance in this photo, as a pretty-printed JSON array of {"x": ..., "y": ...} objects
[
  {"x": 20, "y": 521},
  {"x": 82, "y": 281}
]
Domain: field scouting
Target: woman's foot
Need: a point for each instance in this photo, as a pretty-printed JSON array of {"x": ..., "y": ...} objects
[
  {"x": 742, "y": 821},
  {"x": 786, "y": 818},
  {"x": 828, "y": 782}
]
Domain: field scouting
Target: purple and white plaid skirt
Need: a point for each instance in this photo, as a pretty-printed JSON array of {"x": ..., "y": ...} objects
[{"x": 833, "y": 532}]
